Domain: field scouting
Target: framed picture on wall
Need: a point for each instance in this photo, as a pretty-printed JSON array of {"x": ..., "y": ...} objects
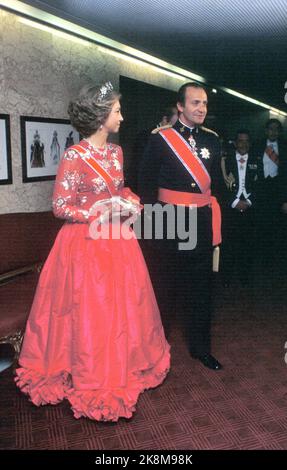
[
  {"x": 43, "y": 142},
  {"x": 5, "y": 150}
]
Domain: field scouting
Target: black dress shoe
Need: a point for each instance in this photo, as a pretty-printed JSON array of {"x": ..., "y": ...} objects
[{"x": 209, "y": 361}]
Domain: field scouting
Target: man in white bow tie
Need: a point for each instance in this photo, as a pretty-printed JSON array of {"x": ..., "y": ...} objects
[
  {"x": 238, "y": 214},
  {"x": 271, "y": 153}
]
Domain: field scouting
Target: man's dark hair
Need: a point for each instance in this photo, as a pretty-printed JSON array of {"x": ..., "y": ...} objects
[
  {"x": 169, "y": 112},
  {"x": 242, "y": 131},
  {"x": 182, "y": 91},
  {"x": 273, "y": 121}
]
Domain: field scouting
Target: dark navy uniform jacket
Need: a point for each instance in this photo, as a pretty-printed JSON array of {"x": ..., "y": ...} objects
[{"x": 160, "y": 167}]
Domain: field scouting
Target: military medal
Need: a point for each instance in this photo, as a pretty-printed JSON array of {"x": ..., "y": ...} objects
[
  {"x": 190, "y": 139},
  {"x": 192, "y": 143},
  {"x": 205, "y": 153}
]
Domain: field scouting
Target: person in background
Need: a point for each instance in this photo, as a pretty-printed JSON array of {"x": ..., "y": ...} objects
[
  {"x": 169, "y": 117},
  {"x": 238, "y": 215},
  {"x": 271, "y": 153}
]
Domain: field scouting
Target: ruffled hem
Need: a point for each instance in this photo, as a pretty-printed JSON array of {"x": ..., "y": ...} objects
[
  {"x": 103, "y": 405},
  {"x": 110, "y": 405},
  {"x": 43, "y": 390},
  {"x": 99, "y": 405}
]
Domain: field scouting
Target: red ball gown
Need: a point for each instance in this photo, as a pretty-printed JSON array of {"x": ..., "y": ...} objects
[{"x": 94, "y": 335}]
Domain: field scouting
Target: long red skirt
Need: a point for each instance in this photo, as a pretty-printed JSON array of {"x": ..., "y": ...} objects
[{"x": 94, "y": 335}]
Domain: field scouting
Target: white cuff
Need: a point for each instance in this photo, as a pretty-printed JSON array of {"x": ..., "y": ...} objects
[{"x": 235, "y": 202}]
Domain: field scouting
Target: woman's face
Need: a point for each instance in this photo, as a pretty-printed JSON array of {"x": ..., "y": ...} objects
[{"x": 113, "y": 122}]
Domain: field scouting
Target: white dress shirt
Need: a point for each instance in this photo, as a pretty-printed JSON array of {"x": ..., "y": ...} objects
[
  {"x": 270, "y": 168},
  {"x": 241, "y": 175}
]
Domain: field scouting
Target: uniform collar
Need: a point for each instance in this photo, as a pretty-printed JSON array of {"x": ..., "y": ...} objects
[{"x": 183, "y": 128}]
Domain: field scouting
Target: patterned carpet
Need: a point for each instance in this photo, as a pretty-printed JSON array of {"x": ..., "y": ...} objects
[{"x": 244, "y": 406}]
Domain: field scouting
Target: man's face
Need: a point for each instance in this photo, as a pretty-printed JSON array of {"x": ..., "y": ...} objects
[
  {"x": 273, "y": 131},
  {"x": 242, "y": 143},
  {"x": 194, "y": 110}
]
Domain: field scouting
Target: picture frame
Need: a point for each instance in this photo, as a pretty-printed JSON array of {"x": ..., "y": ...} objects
[
  {"x": 43, "y": 142},
  {"x": 5, "y": 150}
]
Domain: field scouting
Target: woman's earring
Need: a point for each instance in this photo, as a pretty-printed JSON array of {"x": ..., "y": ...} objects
[{"x": 101, "y": 126}]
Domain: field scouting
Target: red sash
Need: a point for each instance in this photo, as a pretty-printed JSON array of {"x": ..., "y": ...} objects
[
  {"x": 199, "y": 173},
  {"x": 92, "y": 163},
  {"x": 190, "y": 161},
  {"x": 272, "y": 155}
]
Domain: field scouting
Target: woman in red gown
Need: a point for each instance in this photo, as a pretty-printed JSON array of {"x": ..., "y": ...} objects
[{"x": 94, "y": 335}]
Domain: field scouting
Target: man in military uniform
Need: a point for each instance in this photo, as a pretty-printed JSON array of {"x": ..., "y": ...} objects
[{"x": 181, "y": 167}]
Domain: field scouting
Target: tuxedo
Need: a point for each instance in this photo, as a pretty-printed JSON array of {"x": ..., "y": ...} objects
[
  {"x": 238, "y": 247},
  {"x": 250, "y": 169},
  {"x": 272, "y": 192},
  {"x": 259, "y": 148}
]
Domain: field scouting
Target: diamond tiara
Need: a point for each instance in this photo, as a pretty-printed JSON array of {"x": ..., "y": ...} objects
[{"x": 105, "y": 89}]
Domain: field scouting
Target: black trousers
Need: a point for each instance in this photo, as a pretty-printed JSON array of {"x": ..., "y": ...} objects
[
  {"x": 182, "y": 281},
  {"x": 268, "y": 222},
  {"x": 238, "y": 244},
  {"x": 282, "y": 242}
]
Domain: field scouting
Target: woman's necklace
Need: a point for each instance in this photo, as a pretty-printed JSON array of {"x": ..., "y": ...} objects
[{"x": 102, "y": 151}]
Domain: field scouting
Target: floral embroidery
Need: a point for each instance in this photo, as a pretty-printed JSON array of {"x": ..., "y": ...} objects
[
  {"x": 81, "y": 200},
  {"x": 99, "y": 185},
  {"x": 61, "y": 205},
  {"x": 117, "y": 164},
  {"x": 77, "y": 186},
  {"x": 105, "y": 164},
  {"x": 71, "y": 179},
  {"x": 59, "y": 201},
  {"x": 118, "y": 182},
  {"x": 70, "y": 155},
  {"x": 114, "y": 158}
]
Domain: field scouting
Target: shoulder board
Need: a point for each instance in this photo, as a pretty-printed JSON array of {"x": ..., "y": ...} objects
[
  {"x": 158, "y": 129},
  {"x": 208, "y": 130}
]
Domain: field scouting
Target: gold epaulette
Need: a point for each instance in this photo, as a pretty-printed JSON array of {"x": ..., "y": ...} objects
[
  {"x": 209, "y": 130},
  {"x": 228, "y": 178},
  {"x": 158, "y": 129}
]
